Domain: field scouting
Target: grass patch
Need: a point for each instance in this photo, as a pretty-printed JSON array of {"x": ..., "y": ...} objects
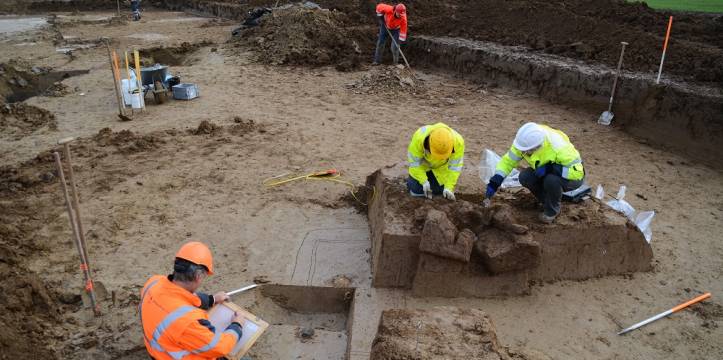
[{"x": 711, "y": 6}]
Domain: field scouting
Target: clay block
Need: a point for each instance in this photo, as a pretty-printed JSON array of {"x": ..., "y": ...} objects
[
  {"x": 606, "y": 249},
  {"x": 395, "y": 239},
  {"x": 436, "y": 333},
  {"x": 504, "y": 251},
  {"x": 587, "y": 240},
  {"x": 439, "y": 237},
  {"x": 470, "y": 283},
  {"x": 503, "y": 217},
  {"x": 437, "y": 264}
]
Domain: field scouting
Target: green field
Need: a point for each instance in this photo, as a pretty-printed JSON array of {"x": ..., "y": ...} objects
[{"x": 712, "y": 6}]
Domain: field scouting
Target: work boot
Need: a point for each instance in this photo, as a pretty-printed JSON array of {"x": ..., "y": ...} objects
[
  {"x": 546, "y": 218},
  {"x": 415, "y": 194}
]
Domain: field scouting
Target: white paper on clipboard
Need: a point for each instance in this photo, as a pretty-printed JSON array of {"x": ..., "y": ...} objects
[{"x": 222, "y": 315}]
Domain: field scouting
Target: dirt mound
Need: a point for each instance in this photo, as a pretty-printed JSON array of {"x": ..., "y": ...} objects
[
  {"x": 173, "y": 56},
  {"x": 438, "y": 333},
  {"x": 242, "y": 126},
  {"x": 18, "y": 120},
  {"x": 206, "y": 128},
  {"x": 388, "y": 81},
  {"x": 30, "y": 313},
  {"x": 128, "y": 142},
  {"x": 298, "y": 35}
]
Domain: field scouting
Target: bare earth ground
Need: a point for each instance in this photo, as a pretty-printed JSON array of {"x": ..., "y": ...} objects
[{"x": 139, "y": 205}]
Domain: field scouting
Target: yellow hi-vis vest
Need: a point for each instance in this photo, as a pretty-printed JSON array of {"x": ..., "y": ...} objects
[
  {"x": 556, "y": 149},
  {"x": 420, "y": 160}
]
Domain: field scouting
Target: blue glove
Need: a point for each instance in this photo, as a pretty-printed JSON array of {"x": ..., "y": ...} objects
[
  {"x": 541, "y": 170},
  {"x": 493, "y": 185},
  {"x": 490, "y": 192}
]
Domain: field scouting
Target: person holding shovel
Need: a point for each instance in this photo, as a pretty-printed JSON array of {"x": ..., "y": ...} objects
[
  {"x": 392, "y": 20},
  {"x": 555, "y": 166},
  {"x": 435, "y": 157},
  {"x": 174, "y": 321},
  {"x": 135, "y": 9}
]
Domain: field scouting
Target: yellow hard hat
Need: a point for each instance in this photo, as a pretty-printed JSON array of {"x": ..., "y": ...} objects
[{"x": 441, "y": 143}]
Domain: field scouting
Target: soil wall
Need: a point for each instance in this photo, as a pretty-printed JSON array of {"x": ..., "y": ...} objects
[
  {"x": 511, "y": 247},
  {"x": 680, "y": 117}
]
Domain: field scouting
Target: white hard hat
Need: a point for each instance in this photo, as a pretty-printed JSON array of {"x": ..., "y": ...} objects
[{"x": 529, "y": 136}]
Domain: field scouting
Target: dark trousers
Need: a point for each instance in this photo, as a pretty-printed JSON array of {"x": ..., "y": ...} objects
[
  {"x": 382, "y": 41},
  {"x": 415, "y": 187},
  {"x": 548, "y": 189},
  {"x": 135, "y": 5}
]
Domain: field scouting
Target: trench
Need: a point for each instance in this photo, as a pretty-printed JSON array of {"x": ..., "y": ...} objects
[
  {"x": 307, "y": 322},
  {"x": 39, "y": 85},
  {"x": 675, "y": 116}
]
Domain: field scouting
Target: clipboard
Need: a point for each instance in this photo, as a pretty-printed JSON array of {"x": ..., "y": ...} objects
[{"x": 221, "y": 316}]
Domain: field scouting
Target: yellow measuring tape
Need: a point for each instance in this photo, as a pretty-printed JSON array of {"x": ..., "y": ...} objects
[{"x": 327, "y": 175}]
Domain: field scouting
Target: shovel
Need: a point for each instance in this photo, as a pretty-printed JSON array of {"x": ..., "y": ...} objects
[{"x": 607, "y": 116}]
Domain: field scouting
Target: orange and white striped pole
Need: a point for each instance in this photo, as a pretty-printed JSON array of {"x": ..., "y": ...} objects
[
  {"x": 666, "y": 313},
  {"x": 665, "y": 47}
]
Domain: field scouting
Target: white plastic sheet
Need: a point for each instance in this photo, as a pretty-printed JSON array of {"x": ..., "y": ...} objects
[
  {"x": 643, "y": 219},
  {"x": 487, "y": 165}
]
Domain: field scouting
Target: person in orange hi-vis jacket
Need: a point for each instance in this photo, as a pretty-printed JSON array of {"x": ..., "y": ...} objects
[
  {"x": 173, "y": 315},
  {"x": 394, "y": 19}
]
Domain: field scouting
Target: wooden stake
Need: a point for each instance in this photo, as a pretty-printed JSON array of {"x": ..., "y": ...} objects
[
  {"x": 74, "y": 191},
  {"x": 121, "y": 106},
  {"x": 81, "y": 252},
  {"x": 137, "y": 61}
]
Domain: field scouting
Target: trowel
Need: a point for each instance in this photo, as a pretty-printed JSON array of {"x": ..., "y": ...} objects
[{"x": 607, "y": 116}]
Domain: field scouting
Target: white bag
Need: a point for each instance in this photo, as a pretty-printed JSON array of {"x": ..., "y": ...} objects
[
  {"x": 643, "y": 220},
  {"x": 487, "y": 166}
]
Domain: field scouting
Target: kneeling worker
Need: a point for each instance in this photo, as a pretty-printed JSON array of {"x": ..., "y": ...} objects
[
  {"x": 435, "y": 157},
  {"x": 555, "y": 166},
  {"x": 173, "y": 315}
]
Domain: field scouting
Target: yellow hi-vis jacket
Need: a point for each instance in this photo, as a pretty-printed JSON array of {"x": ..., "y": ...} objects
[
  {"x": 556, "y": 149},
  {"x": 420, "y": 160}
]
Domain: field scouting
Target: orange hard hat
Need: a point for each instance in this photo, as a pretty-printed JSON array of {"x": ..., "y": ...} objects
[
  {"x": 400, "y": 9},
  {"x": 197, "y": 253}
]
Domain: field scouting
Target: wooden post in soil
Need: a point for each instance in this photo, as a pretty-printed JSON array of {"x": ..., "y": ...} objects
[{"x": 121, "y": 113}]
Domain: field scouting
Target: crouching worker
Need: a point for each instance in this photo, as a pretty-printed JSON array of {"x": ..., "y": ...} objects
[
  {"x": 435, "y": 157},
  {"x": 554, "y": 166},
  {"x": 173, "y": 315}
]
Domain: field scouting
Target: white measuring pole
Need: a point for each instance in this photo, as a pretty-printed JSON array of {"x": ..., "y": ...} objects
[
  {"x": 232, "y": 293},
  {"x": 666, "y": 313},
  {"x": 665, "y": 47}
]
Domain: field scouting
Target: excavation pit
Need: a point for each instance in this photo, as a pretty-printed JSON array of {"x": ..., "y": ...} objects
[
  {"x": 306, "y": 322},
  {"x": 183, "y": 55},
  {"x": 511, "y": 248},
  {"x": 442, "y": 332},
  {"x": 19, "y": 82}
]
